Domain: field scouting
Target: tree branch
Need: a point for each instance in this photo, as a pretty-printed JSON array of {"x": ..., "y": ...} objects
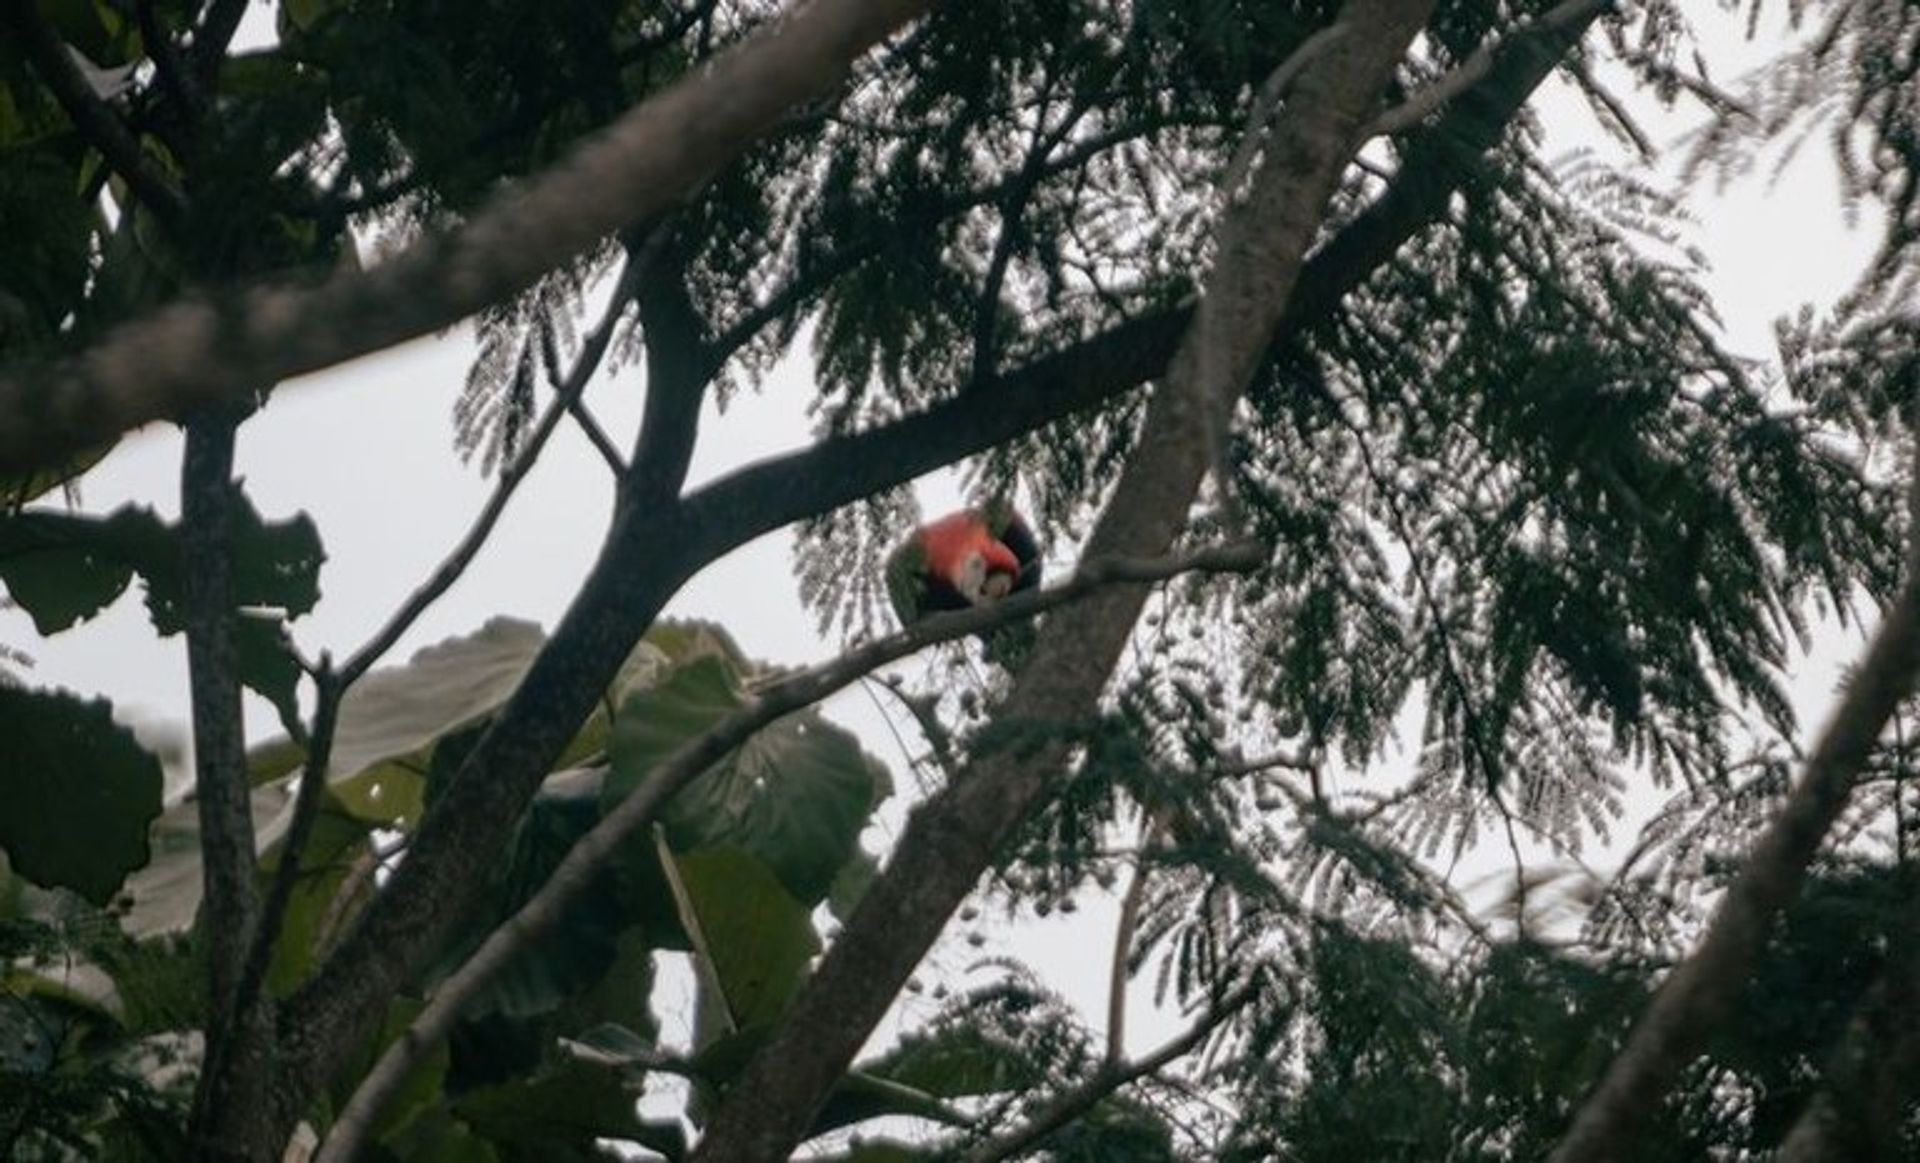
[
  {"x": 1124, "y": 930},
  {"x": 1861, "y": 1106},
  {"x": 567, "y": 395},
  {"x": 593, "y": 852},
  {"x": 98, "y": 123},
  {"x": 1476, "y": 68},
  {"x": 201, "y": 350},
  {"x": 950, "y": 840},
  {"x": 1698, "y": 995},
  {"x": 1110, "y": 1077},
  {"x": 776, "y": 492},
  {"x": 328, "y": 689},
  {"x": 651, "y": 550},
  {"x": 230, "y": 901},
  {"x": 677, "y": 377}
]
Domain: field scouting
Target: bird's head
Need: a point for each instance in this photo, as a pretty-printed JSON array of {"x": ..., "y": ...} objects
[{"x": 962, "y": 550}]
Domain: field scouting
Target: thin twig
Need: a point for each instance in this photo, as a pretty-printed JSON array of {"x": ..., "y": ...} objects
[
  {"x": 306, "y": 805},
  {"x": 591, "y": 853},
  {"x": 568, "y": 393},
  {"x": 1123, "y": 934},
  {"x": 1108, "y": 1079}
]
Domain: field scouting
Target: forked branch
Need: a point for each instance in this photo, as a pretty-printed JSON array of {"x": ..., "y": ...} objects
[{"x": 594, "y": 851}]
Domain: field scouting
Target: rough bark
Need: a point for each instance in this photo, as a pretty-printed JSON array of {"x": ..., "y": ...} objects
[
  {"x": 230, "y": 1090},
  {"x": 951, "y": 840}
]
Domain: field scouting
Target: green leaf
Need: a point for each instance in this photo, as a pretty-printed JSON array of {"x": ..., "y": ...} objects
[
  {"x": 586, "y": 944},
  {"x": 418, "y": 1094},
  {"x": 753, "y": 937},
  {"x": 393, "y": 720},
  {"x": 332, "y": 871},
  {"x": 64, "y": 568},
  {"x": 80, "y": 792},
  {"x": 164, "y": 896},
  {"x": 560, "y": 1112},
  {"x": 796, "y": 795}
]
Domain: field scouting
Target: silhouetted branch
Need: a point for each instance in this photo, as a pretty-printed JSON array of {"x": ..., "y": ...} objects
[
  {"x": 567, "y": 395},
  {"x": 1111, "y": 1076},
  {"x": 1700, "y": 992},
  {"x": 201, "y": 350},
  {"x": 1262, "y": 239},
  {"x": 594, "y": 851}
]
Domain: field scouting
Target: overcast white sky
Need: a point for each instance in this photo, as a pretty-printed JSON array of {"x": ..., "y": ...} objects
[{"x": 366, "y": 449}]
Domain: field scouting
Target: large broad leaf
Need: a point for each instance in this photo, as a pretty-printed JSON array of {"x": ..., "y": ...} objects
[
  {"x": 560, "y": 1112},
  {"x": 752, "y": 937},
  {"x": 79, "y": 790},
  {"x": 585, "y": 943},
  {"x": 66, "y": 567},
  {"x": 417, "y": 1094},
  {"x": 336, "y": 876},
  {"x": 394, "y": 719},
  {"x": 796, "y": 795},
  {"x": 164, "y": 896}
]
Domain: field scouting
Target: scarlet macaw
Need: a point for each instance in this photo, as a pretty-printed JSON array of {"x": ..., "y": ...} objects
[{"x": 964, "y": 559}]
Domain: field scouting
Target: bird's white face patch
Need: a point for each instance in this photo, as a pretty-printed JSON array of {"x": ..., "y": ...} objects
[{"x": 972, "y": 582}]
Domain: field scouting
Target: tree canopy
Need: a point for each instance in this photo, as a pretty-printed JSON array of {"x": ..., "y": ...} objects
[{"x": 1415, "y": 506}]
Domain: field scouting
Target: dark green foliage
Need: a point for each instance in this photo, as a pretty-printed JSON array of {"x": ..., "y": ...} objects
[
  {"x": 1536, "y": 541},
  {"x": 80, "y": 792},
  {"x": 64, "y": 568}
]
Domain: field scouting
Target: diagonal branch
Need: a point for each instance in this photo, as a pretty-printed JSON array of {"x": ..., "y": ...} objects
[
  {"x": 96, "y": 120},
  {"x": 773, "y": 493},
  {"x": 567, "y": 396},
  {"x": 1568, "y": 14},
  {"x": 200, "y": 350},
  {"x": 949, "y": 841},
  {"x": 1699, "y": 994},
  {"x": 1110, "y": 1077},
  {"x": 651, "y": 550},
  {"x": 592, "y": 853}
]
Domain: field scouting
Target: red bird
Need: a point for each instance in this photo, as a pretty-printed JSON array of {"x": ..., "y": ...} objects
[{"x": 964, "y": 559}]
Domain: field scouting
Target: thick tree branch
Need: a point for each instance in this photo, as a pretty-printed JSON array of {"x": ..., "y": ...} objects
[
  {"x": 950, "y": 840},
  {"x": 678, "y": 369},
  {"x": 592, "y": 853},
  {"x": 1568, "y": 15},
  {"x": 230, "y": 900},
  {"x": 567, "y": 394},
  {"x": 96, "y": 120},
  {"x": 1698, "y": 995},
  {"x": 217, "y": 26},
  {"x": 773, "y": 493},
  {"x": 651, "y": 550},
  {"x": 200, "y": 350}
]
